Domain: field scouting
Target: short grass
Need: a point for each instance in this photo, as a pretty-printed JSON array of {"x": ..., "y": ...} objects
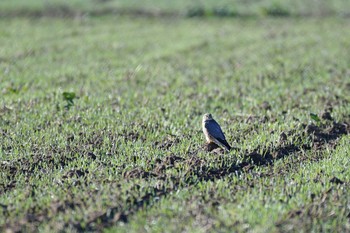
[
  {"x": 182, "y": 7},
  {"x": 126, "y": 153}
]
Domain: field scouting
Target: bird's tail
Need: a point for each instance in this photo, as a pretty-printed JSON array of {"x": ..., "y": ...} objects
[{"x": 225, "y": 144}]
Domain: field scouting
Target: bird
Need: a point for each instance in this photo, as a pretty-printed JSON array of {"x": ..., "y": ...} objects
[{"x": 213, "y": 132}]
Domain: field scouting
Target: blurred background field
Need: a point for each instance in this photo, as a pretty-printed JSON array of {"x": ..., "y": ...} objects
[
  {"x": 221, "y": 8},
  {"x": 101, "y": 105}
]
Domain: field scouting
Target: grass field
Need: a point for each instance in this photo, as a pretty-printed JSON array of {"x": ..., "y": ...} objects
[
  {"x": 174, "y": 8},
  {"x": 100, "y": 120}
]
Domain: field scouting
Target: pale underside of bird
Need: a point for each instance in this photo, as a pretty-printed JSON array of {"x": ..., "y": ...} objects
[{"x": 213, "y": 132}]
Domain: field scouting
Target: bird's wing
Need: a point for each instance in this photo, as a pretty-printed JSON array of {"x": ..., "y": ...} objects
[
  {"x": 222, "y": 143},
  {"x": 214, "y": 130}
]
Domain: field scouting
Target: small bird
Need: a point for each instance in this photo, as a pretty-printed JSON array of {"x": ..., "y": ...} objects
[{"x": 213, "y": 132}]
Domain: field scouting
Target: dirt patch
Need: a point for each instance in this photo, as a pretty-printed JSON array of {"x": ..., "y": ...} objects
[
  {"x": 258, "y": 159},
  {"x": 257, "y": 119},
  {"x": 327, "y": 116},
  {"x": 336, "y": 180},
  {"x": 7, "y": 187},
  {"x": 287, "y": 150},
  {"x": 168, "y": 162},
  {"x": 167, "y": 143},
  {"x": 266, "y": 106},
  {"x": 132, "y": 136},
  {"x": 326, "y": 134},
  {"x": 75, "y": 173},
  {"x": 172, "y": 159},
  {"x": 137, "y": 173},
  {"x": 211, "y": 146},
  {"x": 9, "y": 166}
]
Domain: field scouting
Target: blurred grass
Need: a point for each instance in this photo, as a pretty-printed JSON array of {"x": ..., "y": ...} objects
[
  {"x": 222, "y": 8},
  {"x": 140, "y": 86}
]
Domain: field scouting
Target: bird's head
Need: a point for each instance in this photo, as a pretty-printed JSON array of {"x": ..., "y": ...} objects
[{"x": 207, "y": 117}]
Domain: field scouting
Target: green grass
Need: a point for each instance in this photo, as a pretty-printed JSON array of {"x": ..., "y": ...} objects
[
  {"x": 124, "y": 153},
  {"x": 181, "y": 7},
  {"x": 304, "y": 199}
]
